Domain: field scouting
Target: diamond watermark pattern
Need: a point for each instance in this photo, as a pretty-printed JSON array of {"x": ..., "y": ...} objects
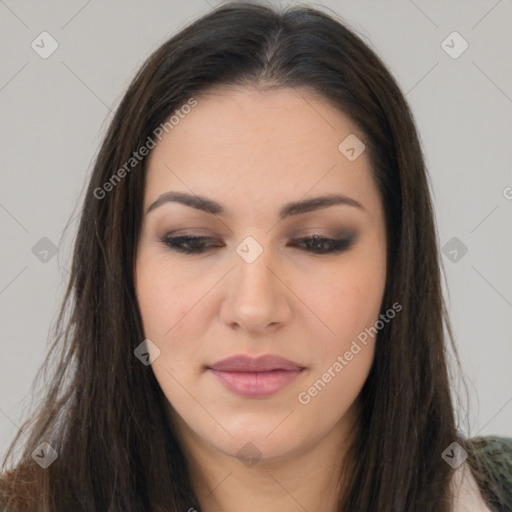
[
  {"x": 454, "y": 45},
  {"x": 44, "y": 45},
  {"x": 351, "y": 147},
  {"x": 44, "y": 455},
  {"x": 44, "y": 250},
  {"x": 249, "y": 249},
  {"x": 454, "y": 250},
  {"x": 147, "y": 352},
  {"x": 249, "y": 454},
  {"x": 455, "y": 455}
]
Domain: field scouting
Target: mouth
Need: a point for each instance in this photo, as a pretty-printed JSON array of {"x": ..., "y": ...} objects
[
  {"x": 255, "y": 377},
  {"x": 256, "y": 384}
]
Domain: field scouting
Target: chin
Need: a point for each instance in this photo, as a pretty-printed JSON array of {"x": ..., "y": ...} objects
[{"x": 259, "y": 451}]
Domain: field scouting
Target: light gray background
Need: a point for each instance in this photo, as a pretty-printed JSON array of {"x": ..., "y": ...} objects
[{"x": 54, "y": 111}]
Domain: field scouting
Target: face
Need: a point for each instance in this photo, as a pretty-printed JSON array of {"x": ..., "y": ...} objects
[{"x": 263, "y": 277}]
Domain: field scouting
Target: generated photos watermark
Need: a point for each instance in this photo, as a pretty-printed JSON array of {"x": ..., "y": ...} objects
[
  {"x": 304, "y": 397},
  {"x": 143, "y": 151}
]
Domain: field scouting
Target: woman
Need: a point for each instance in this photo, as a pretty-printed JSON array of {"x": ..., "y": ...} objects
[{"x": 256, "y": 312}]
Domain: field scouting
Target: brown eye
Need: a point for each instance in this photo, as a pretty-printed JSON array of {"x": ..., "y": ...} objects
[
  {"x": 317, "y": 244},
  {"x": 188, "y": 244},
  {"x": 324, "y": 245}
]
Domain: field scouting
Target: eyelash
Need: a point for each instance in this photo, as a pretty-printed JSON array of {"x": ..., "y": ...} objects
[{"x": 336, "y": 245}]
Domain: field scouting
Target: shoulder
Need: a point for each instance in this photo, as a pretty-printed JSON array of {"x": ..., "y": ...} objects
[{"x": 490, "y": 458}]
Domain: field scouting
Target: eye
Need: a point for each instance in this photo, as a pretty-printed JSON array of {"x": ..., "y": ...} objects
[
  {"x": 323, "y": 245},
  {"x": 189, "y": 244}
]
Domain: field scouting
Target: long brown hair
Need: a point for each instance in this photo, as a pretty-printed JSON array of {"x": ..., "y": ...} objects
[{"x": 103, "y": 410}]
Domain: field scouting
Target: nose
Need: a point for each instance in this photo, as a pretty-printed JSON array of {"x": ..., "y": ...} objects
[{"x": 257, "y": 296}]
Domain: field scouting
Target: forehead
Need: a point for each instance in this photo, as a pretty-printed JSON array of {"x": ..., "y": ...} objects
[{"x": 247, "y": 145}]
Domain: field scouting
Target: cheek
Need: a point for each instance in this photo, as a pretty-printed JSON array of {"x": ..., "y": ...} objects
[
  {"x": 331, "y": 392},
  {"x": 170, "y": 319},
  {"x": 349, "y": 304},
  {"x": 349, "y": 300},
  {"x": 162, "y": 300},
  {"x": 344, "y": 354}
]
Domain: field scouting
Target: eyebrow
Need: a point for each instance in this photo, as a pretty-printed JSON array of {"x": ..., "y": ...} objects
[{"x": 293, "y": 208}]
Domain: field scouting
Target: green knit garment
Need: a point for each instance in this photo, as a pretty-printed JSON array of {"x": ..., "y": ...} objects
[{"x": 494, "y": 458}]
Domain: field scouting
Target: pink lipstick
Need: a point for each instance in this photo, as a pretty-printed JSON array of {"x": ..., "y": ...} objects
[{"x": 256, "y": 377}]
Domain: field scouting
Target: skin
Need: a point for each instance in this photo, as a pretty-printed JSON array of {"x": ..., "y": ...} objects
[
  {"x": 253, "y": 151},
  {"x": 466, "y": 493}
]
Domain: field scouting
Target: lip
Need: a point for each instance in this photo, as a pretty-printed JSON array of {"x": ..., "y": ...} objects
[
  {"x": 265, "y": 363},
  {"x": 256, "y": 377}
]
